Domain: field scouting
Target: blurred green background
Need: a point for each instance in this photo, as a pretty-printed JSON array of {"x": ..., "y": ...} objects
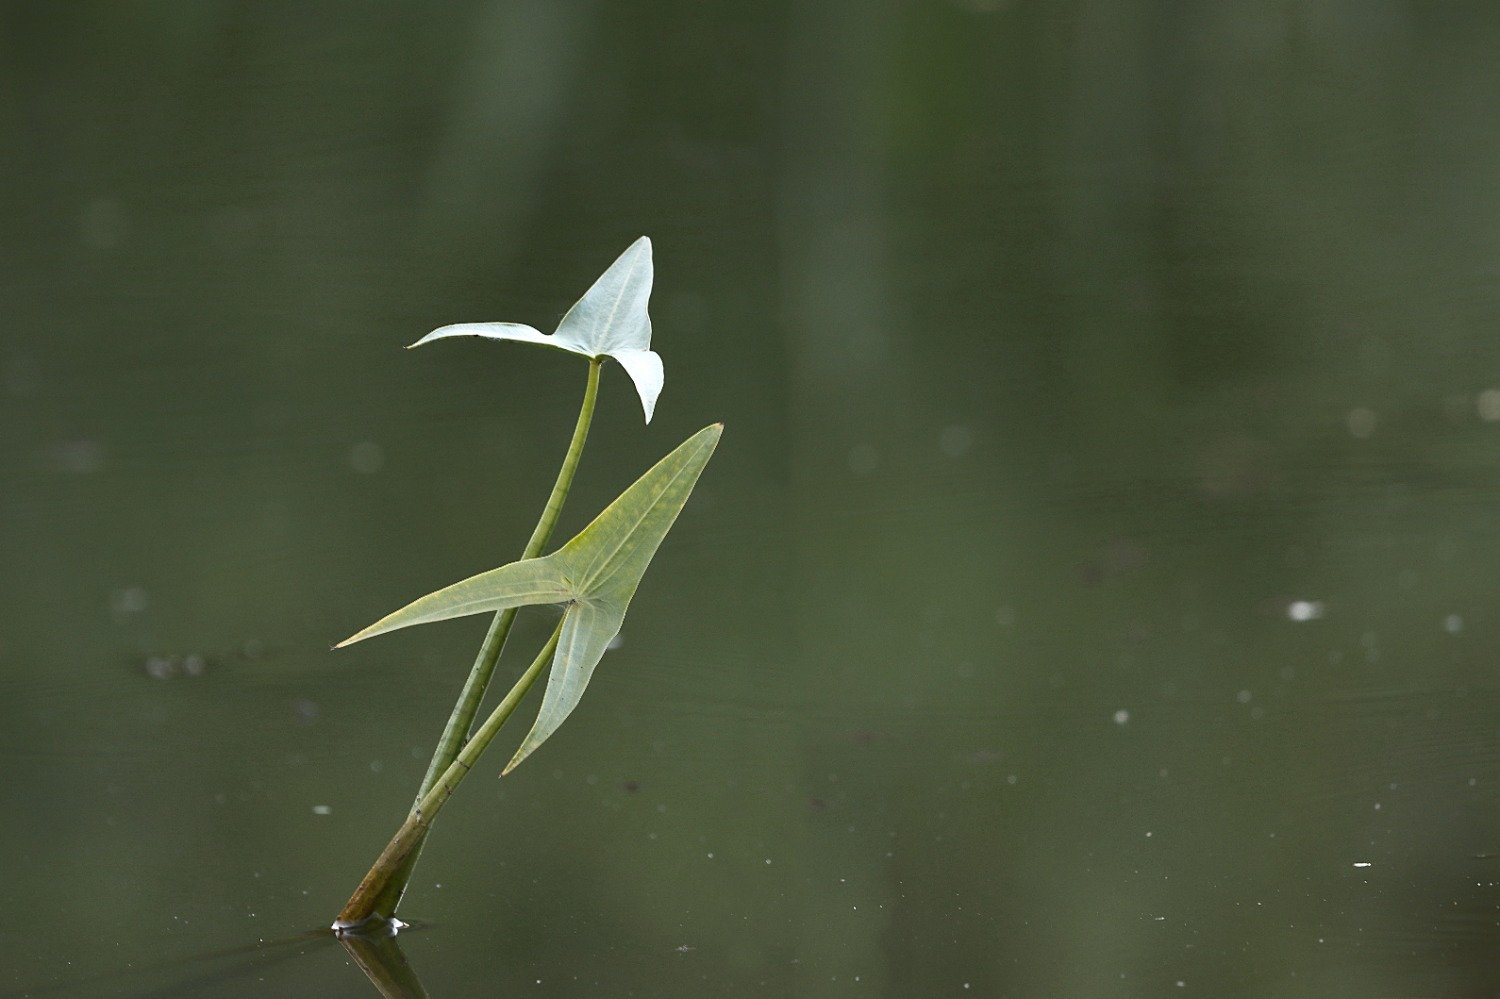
[{"x": 1093, "y": 593}]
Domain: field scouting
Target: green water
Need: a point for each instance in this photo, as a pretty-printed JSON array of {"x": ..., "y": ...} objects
[{"x": 1093, "y": 594}]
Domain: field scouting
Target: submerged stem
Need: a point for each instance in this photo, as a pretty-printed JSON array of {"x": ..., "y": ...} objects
[
  {"x": 396, "y": 858},
  {"x": 455, "y": 737}
]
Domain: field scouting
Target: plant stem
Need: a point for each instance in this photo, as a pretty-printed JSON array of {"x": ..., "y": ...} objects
[
  {"x": 361, "y": 907},
  {"x": 456, "y": 733}
]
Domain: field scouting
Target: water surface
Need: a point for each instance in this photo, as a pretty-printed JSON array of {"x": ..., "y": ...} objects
[{"x": 1092, "y": 595}]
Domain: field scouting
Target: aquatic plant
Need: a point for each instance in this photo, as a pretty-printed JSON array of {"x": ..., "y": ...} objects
[{"x": 593, "y": 576}]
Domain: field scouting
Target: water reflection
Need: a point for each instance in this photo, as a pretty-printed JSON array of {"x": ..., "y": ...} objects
[
  {"x": 384, "y": 964},
  {"x": 229, "y": 970},
  {"x": 244, "y": 969}
]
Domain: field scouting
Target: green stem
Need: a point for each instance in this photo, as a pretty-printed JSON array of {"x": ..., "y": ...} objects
[
  {"x": 362, "y": 906},
  {"x": 456, "y": 733}
]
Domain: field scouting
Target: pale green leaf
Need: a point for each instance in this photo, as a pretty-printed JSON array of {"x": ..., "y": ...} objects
[
  {"x": 610, "y": 320},
  {"x": 596, "y": 574},
  {"x": 587, "y": 630},
  {"x": 519, "y": 584},
  {"x": 606, "y": 562}
]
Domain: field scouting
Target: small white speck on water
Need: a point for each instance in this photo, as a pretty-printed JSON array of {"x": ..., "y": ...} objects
[
  {"x": 366, "y": 458},
  {"x": 78, "y": 457},
  {"x": 1243, "y": 697},
  {"x": 1122, "y": 716},
  {"x": 1148, "y": 833},
  {"x": 322, "y": 810},
  {"x": 1361, "y": 422},
  {"x": 103, "y": 224},
  {"x": 955, "y": 440},
  {"x": 128, "y": 601},
  {"x": 1305, "y": 610},
  {"x": 1488, "y": 405},
  {"x": 1363, "y": 863},
  {"x": 863, "y": 459},
  {"x": 1453, "y": 624}
]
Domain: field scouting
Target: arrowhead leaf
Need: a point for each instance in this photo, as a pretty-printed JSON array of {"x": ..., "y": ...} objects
[
  {"x": 611, "y": 315},
  {"x": 606, "y": 561},
  {"x": 587, "y": 630},
  {"x": 596, "y": 574},
  {"x": 519, "y": 584},
  {"x": 610, "y": 320}
]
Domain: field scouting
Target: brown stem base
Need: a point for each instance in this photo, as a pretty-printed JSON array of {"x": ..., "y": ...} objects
[{"x": 372, "y": 898}]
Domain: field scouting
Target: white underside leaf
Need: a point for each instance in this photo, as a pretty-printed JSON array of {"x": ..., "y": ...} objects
[{"x": 610, "y": 320}]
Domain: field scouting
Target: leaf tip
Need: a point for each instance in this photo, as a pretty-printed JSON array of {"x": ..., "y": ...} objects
[{"x": 358, "y": 636}]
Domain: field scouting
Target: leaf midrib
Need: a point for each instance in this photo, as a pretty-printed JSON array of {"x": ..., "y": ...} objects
[
  {"x": 614, "y": 308},
  {"x": 594, "y": 582}
]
